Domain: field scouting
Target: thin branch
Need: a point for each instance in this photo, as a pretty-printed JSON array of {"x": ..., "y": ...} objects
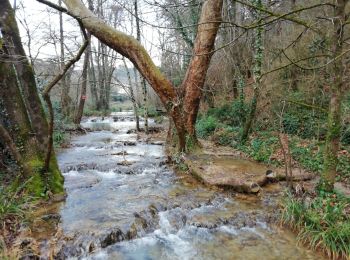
[
  {"x": 290, "y": 64},
  {"x": 285, "y": 16},
  {"x": 46, "y": 94},
  {"x": 318, "y": 67}
]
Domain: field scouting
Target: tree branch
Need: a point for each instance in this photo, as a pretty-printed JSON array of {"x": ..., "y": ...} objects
[{"x": 46, "y": 94}]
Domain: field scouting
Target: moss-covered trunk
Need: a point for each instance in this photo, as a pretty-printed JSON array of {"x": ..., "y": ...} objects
[
  {"x": 24, "y": 72},
  {"x": 24, "y": 118},
  {"x": 337, "y": 88}
]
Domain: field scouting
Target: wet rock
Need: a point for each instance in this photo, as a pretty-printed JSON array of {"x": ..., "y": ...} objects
[
  {"x": 69, "y": 251},
  {"x": 51, "y": 217},
  {"x": 120, "y": 153},
  {"x": 204, "y": 225},
  {"x": 92, "y": 247},
  {"x": 249, "y": 241},
  {"x": 30, "y": 256},
  {"x": 153, "y": 210},
  {"x": 113, "y": 237},
  {"x": 125, "y": 163},
  {"x": 131, "y": 131},
  {"x": 28, "y": 249},
  {"x": 129, "y": 143},
  {"x": 157, "y": 143}
]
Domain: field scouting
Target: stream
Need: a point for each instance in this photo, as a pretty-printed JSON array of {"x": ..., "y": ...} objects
[{"x": 124, "y": 202}]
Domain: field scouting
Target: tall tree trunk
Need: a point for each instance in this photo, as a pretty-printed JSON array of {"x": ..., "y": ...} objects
[
  {"x": 259, "y": 51},
  {"x": 93, "y": 81},
  {"x": 337, "y": 88},
  {"x": 132, "y": 96},
  {"x": 145, "y": 103},
  {"x": 79, "y": 113},
  {"x": 25, "y": 121},
  {"x": 195, "y": 76},
  {"x": 143, "y": 81},
  {"x": 65, "y": 98},
  {"x": 24, "y": 74}
]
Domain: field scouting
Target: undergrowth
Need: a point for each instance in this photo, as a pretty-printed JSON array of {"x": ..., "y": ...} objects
[
  {"x": 323, "y": 222},
  {"x": 263, "y": 145}
]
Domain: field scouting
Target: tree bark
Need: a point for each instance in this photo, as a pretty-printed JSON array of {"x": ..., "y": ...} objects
[
  {"x": 143, "y": 81},
  {"x": 132, "y": 97},
  {"x": 65, "y": 98},
  {"x": 196, "y": 73},
  {"x": 82, "y": 99},
  {"x": 24, "y": 119},
  {"x": 259, "y": 51},
  {"x": 25, "y": 74},
  {"x": 337, "y": 88}
]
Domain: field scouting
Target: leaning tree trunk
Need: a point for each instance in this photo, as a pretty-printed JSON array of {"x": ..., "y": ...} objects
[
  {"x": 337, "y": 88},
  {"x": 135, "y": 52},
  {"x": 203, "y": 50}
]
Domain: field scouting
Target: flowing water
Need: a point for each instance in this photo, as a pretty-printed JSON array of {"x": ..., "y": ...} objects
[{"x": 125, "y": 202}]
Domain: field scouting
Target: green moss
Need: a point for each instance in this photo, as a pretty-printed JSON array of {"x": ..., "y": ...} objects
[
  {"x": 40, "y": 182},
  {"x": 36, "y": 185},
  {"x": 55, "y": 178}
]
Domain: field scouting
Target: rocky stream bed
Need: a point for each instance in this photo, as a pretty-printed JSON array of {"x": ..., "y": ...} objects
[{"x": 124, "y": 202}]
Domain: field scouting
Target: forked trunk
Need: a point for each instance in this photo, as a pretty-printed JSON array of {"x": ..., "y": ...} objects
[{"x": 196, "y": 73}]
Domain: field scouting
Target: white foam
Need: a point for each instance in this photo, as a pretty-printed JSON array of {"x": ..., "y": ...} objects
[{"x": 228, "y": 229}]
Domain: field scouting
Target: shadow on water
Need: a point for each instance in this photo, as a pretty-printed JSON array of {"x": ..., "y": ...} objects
[{"x": 143, "y": 210}]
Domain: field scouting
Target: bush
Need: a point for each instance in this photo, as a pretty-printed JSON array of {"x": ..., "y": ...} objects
[
  {"x": 303, "y": 123},
  {"x": 345, "y": 137},
  {"x": 323, "y": 221},
  {"x": 230, "y": 114},
  {"x": 225, "y": 136},
  {"x": 343, "y": 168},
  {"x": 206, "y": 126}
]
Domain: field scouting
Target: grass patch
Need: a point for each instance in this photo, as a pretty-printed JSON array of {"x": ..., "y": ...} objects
[{"x": 322, "y": 221}]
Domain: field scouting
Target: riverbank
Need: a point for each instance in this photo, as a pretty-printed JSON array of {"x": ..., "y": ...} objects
[{"x": 320, "y": 219}]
